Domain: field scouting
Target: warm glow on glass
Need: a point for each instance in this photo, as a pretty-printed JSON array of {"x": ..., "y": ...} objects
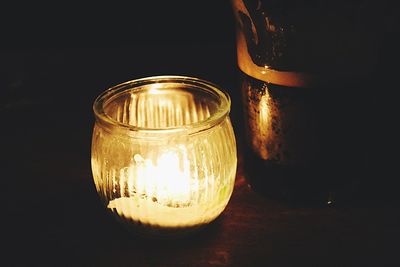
[
  {"x": 164, "y": 152},
  {"x": 264, "y": 124}
]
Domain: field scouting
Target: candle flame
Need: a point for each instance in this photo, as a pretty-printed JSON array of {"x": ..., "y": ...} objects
[{"x": 167, "y": 181}]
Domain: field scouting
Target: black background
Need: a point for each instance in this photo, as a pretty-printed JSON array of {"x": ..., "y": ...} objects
[{"x": 55, "y": 59}]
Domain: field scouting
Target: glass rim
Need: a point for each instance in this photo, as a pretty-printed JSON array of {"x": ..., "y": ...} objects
[{"x": 185, "y": 82}]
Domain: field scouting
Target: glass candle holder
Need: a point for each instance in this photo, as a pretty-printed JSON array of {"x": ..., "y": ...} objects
[{"x": 164, "y": 153}]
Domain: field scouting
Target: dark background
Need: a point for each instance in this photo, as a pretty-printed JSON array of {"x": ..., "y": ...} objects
[{"x": 55, "y": 59}]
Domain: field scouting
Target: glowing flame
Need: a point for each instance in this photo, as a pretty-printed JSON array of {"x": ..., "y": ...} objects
[{"x": 167, "y": 181}]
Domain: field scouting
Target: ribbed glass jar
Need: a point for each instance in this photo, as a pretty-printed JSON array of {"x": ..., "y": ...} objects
[{"x": 164, "y": 153}]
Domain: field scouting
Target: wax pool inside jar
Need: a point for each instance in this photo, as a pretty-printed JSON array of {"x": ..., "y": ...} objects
[{"x": 148, "y": 212}]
